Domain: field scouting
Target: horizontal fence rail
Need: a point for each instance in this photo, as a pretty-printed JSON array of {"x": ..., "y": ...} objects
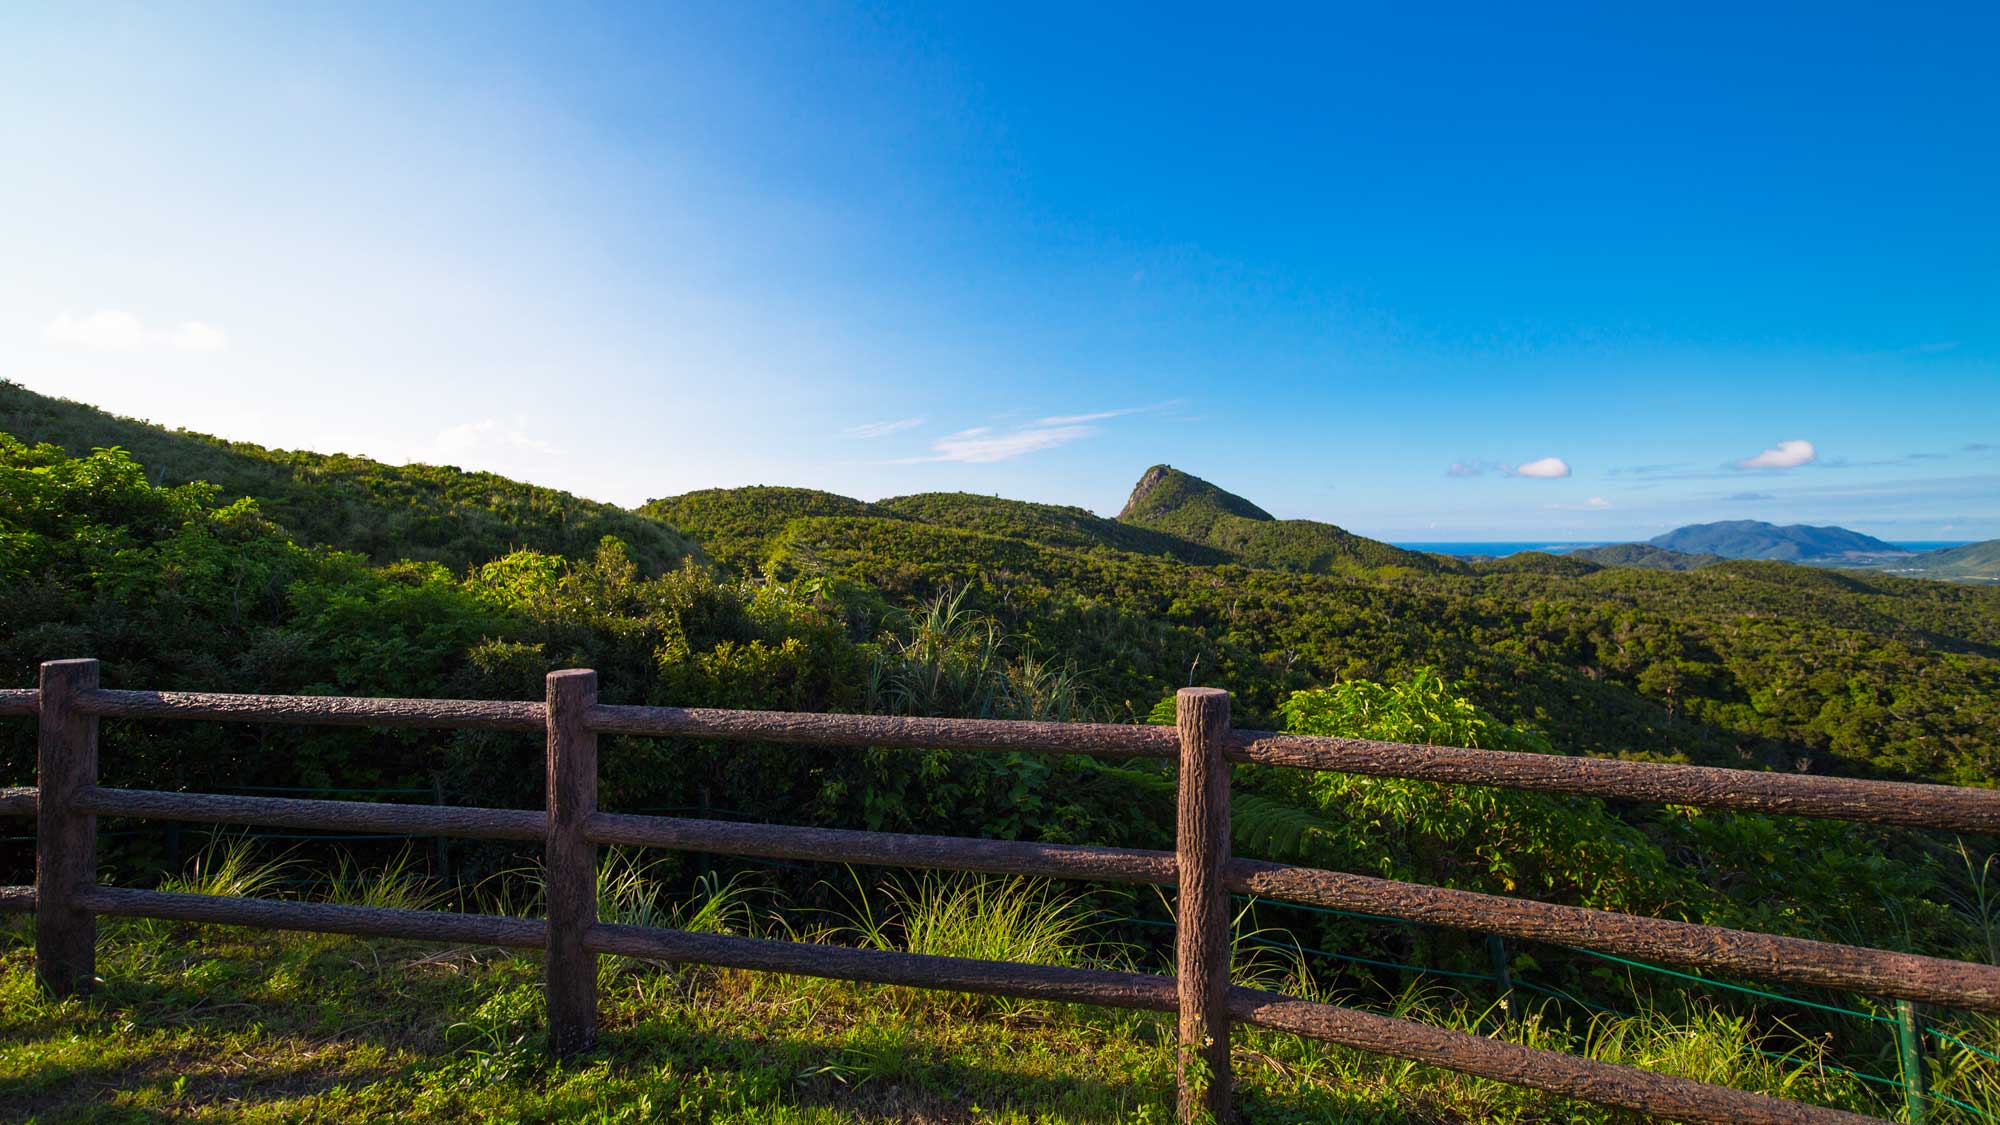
[
  {"x": 68, "y": 801},
  {"x": 1793, "y": 960},
  {"x": 1906, "y": 804}
]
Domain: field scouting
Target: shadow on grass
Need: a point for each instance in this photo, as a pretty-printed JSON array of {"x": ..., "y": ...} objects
[{"x": 347, "y": 1028}]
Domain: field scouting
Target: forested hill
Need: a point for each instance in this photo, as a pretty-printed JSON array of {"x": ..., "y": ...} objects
[
  {"x": 1643, "y": 555},
  {"x": 387, "y": 512},
  {"x": 1735, "y": 663},
  {"x": 1167, "y": 499},
  {"x": 1755, "y": 539}
]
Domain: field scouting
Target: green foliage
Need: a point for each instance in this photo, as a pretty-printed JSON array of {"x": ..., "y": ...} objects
[{"x": 1542, "y": 845}]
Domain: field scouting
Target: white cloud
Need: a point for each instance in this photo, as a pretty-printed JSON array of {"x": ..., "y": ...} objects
[
  {"x": 479, "y": 441},
  {"x": 882, "y": 429},
  {"x": 111, "y": 330},
  {"x": 1785, "y": 455},
  {"x": 1546, "y": 468},
  {"x": 194, "y": 336},
  {"x": 980, "y": 445},
  {"x": 106, "y": 331}
]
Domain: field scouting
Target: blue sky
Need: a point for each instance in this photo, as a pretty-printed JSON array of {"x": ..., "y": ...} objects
[{"x": 1427, "y": 272}]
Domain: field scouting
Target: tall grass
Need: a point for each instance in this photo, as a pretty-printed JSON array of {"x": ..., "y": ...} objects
[
  {"x": 398, "y": 884},
  {"x": 984, "y": 918},
  {"x": 231, "y": 866},
  {"x": 1967, "y": 1070},
  {"x": 632, "y": 892}
]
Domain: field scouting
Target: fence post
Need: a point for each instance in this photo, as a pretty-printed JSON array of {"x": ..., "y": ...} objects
[
  {"x": 1910, "y": 1052},
  {"x": 1202, "y": 946},
  {"x": 569, "y": 868},
  {"x": 65, "y": 839}
]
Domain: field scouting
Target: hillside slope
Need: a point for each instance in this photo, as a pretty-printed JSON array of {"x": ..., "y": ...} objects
[
  {"x": 1167, "y": 499},
  {"x": 1048, "y": 524},
  {"x": 736, "y": 525},
  {"x": 425, "y": 512},
  {"x": 1974, "y": 562}
]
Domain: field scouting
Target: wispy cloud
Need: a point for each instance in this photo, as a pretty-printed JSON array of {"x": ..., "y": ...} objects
[
  {"x": 1102, "y": 415},
  {"x": 985, "y": 444},
  {"x": 1784, "y": 455},
  {"x": 1648, "y": 470},
  {"x": 883, "y": 429},
  {"x": 110, "y": 330},
  {"x": 1748, "y": 497},
  {"x": 1594, "y": 504},
  {"x": 1545, "y": 468},
  {"x": 982, "y": 445}
]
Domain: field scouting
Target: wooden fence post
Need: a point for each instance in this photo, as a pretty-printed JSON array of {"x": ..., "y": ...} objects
[
  {"x": 569, "y": 867},
  {"x": 65, "y": 839},
  {"x": 1202, "y": 943}
]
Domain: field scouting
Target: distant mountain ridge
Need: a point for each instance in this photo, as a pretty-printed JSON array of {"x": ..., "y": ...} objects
[
  {"x": 1755, "y": 539},
  {"x": 1705, "y": 544}
]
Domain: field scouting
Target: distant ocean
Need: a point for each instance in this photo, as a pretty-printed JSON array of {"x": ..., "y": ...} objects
[{"x": 1498, "y": 550}]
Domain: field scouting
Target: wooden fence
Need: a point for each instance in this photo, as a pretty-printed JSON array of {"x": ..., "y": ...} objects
[{"x": 66, "y": 897}]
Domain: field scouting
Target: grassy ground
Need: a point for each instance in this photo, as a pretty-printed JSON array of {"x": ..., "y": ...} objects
[{"x": 212, "y": 1023}]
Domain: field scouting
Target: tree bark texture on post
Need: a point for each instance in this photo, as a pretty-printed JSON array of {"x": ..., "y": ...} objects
[
  {"x": 570, "y": 863},
  {"x": 65, "y": 835},
  {"x": 1202, "y": 942}
]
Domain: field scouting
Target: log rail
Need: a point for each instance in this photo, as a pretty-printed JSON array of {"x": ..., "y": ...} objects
[{"x": 67, "y": 902}]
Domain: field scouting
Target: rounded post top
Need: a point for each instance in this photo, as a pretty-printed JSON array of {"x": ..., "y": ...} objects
[
  {"x": 77, "y": 662},
  {"x": 573, "y": 674},
  {"x": 1200, "y": 693}
]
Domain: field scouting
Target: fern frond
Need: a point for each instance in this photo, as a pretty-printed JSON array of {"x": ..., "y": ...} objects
[{"x": 1275, "y": 829}]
